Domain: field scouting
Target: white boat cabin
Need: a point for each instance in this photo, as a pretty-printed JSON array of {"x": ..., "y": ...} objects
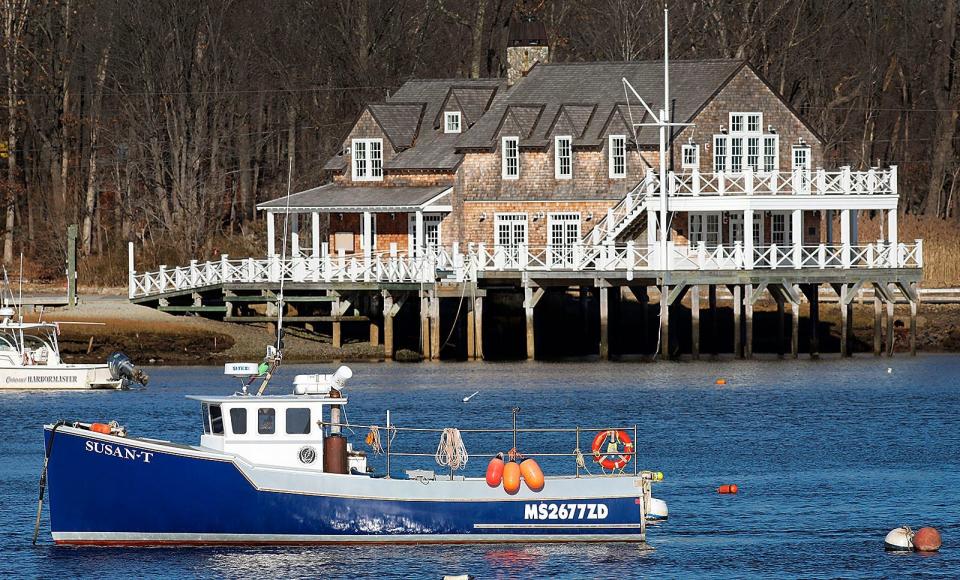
[
  {"x": 279, "y": 430},
  {"x": 25, "y": 344}
]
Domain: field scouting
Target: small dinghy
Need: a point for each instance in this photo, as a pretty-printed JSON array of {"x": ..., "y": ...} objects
[{"x": 279, "y": 470}]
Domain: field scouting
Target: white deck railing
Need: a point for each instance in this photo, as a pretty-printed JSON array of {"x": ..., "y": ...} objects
[{"x": 479, "y": 261}]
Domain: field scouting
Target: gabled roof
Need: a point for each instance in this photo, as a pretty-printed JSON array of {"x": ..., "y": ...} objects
[
  {"x": 553, "y": 86},
  {"x": 472, "y": 102},
  {"x": 400, "y": 121}
]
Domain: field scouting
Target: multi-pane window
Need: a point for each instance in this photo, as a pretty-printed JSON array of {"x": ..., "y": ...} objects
[
  {"x": 510, "y": 158},
  {"x": 617, "y": 156},
  {"x": 736, "y": 154},
  {"x": 746, "y": 146},
  {"x": 753, "y": 153},
  {"x": 690, "y": 156},
  {"x": 562, "y": 158},
  {"x": 511, "y": 233},
  {"x": 719, "y": 153},
  {"x": 770, "y": 153},
  {"x": 801, "y": 157},
  {"x": 705, "y": 227},
  {"x": 451, "y": 122},
  {"x": 368, "y": 159}
]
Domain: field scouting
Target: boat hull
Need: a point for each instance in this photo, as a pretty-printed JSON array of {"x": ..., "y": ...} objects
[
  {"x": 106, "y": 490},
  {"x": 58, "y": 378}
]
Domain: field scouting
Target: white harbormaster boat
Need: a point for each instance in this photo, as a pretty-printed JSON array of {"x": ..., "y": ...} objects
[
  {"x": 30, "y": 359},
  {"x": 278, "y": 470}
]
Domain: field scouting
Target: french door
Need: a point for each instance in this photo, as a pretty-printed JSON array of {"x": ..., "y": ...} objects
[
  {"x": 564, "y": 233},
  {"x": 510, "y": 234}
]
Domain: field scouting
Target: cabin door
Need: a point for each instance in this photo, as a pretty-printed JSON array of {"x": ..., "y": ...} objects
[{"x": 564, "y": 231}]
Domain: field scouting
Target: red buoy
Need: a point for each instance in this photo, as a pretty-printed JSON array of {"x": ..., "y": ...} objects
[
  {"x": 926, "y": 540},
  {"x": 727, "y": 488},
  {"x": 721, "y": 381},
  {"x": 495, "y": 471},
  {"x": 101, "y": 428}
]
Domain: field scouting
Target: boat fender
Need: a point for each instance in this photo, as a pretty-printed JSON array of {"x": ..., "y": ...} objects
[
  {"x": 532, "y": 474},
  {"x": 927, "y": 540},
  {"x": 609, "y": 458},
  {"x": 728, "y": 488},
  {"x": 101, "y": 428},
  {"x": 511, "y": 477},
  {"x": 899, "y": 540},
  {"x": 495, "y": 471}
]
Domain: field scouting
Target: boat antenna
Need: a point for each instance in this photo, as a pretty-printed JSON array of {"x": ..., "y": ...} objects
[{"x": 274, "y": 364}]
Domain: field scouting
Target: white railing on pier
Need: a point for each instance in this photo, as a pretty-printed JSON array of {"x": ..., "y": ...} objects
[{"x": 478, "y": 260}]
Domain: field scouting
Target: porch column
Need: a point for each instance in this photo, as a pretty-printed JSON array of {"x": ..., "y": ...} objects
[
  {"x": 747, "y": 239},
  {"x": 845, "y": 236},
  {"x": 796, "y": 230},
  {"x": 271, "y": 235},
  {"x": 418, "y": 234},
  {"x": 315, "y": 234},
  {"x": 892, "y": 236},
  {"x": 295, "y": 235},
  {"x": 365, "y": 235}
]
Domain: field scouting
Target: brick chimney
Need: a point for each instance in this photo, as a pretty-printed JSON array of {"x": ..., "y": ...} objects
[{"x": 526, "y": 46}]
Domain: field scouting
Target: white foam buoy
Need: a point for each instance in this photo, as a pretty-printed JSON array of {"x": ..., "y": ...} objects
[
  {"x": 899, "y": 540},
  {"x": 467, "y": 398},
  {"x": 889, "y": 370}
]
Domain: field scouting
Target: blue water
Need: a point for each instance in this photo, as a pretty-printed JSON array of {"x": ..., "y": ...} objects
[{"x": 828, "y": 455}]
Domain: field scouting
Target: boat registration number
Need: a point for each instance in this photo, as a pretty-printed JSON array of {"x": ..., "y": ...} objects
[{"x": 565, "y": 511}]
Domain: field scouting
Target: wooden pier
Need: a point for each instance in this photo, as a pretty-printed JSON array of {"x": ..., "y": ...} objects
[{"x": 425, "y": 302}]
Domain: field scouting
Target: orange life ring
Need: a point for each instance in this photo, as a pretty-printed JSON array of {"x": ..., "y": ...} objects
[{"x": 612, "y": 458}]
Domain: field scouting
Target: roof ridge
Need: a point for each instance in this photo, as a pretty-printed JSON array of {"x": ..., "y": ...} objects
[{"x": 650, "y": 61}]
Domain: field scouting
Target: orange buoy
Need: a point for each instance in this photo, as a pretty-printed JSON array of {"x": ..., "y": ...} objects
[
  {"x": 926, "y": 540},
  {"x": 727, "y": 488},
  {"x": 511, "y": 477},
  {"x": 101, "y": 428},
  {"x": 721, "y": 381},
  {"x": 532, "y": 474},
  {"x": 495, "y": 471}
]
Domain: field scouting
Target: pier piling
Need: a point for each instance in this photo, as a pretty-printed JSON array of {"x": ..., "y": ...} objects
[
  {"x": 695, "y": 321},
  {"x": 665, "y": 321},
  {"x": 737, "y": 303},
  {"x": 748, "y": 320},
  {"x": 604, "y": 322}
]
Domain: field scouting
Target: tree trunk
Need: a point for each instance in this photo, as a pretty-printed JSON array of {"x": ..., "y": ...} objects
[{"x": 90, "y": 200}]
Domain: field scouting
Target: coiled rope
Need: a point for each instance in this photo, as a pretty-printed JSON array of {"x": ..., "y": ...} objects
[
  {"x": 451, "y": 452},
  {"x": 373, "y": 440}
]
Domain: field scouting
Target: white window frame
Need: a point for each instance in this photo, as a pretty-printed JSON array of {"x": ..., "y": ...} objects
[
  {"x": 770, "y": 163},
  {"x": 720, "y": 154},
  {"x": 452, "y": 122},
  {"x": 509, "y": 254},
  {"x": 508, "y": 144},
  {"x": 617, "y": 156},
  {"x": 693, "y": 160},
  {"x": 373, "y": 233},
  {"x": 563, "y": 157},
  {"x": 803, "y": 168},
  {"x": 744, "y": 119},
  {"x": 698, "y": 222},
  {"x": 366, "y": 159}
]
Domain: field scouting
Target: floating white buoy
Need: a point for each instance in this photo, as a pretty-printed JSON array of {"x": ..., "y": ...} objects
[
  {"x": 467, "y": 399},
  {"x": 889, "y": 370},
  {"x": 899, "y": 540}
]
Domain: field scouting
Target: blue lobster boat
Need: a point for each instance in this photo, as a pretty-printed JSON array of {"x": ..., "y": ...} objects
[{"x": 278, "y": 470}]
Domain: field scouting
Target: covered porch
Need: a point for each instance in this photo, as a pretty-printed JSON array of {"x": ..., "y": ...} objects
[{"x": 354, "y": 221}]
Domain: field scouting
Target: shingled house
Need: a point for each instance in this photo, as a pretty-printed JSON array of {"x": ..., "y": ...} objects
[{"x": 540, "y": 163}]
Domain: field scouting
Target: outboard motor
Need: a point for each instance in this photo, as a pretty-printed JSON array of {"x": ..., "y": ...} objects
[{"x": 121, "y": 367}]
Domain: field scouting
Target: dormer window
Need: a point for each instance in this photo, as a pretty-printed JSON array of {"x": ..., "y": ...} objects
[
  {"x": 510, "y": 158},
  {"x": 451, "y": 122},
  {"x": 563, "y": 158},
  {"x": 367, "y": 159},
  {"x": 617, "y": 156}
]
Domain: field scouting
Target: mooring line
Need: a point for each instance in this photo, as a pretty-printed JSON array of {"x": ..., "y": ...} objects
[{"x": 43, "y": 479}]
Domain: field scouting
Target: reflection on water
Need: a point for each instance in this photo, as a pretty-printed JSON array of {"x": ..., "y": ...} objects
[{"x": 828, "y": 456}]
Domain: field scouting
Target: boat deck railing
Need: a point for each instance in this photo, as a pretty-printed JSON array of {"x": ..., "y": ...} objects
[{"x": 391, "y": 431}]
